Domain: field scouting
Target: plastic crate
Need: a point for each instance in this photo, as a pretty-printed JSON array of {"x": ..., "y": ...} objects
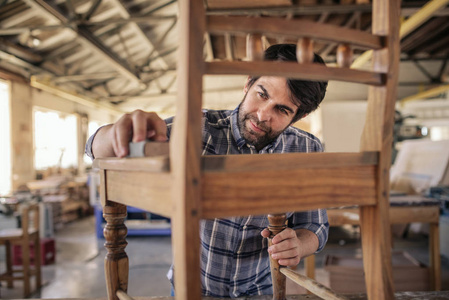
[{"x": 48, "y": 252}]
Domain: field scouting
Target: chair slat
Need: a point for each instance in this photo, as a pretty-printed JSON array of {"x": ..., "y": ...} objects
[
  {"x": 144, "y": 190},
  {"x": 230, "y": 193},
  {"x": 276, "y": 27},
  {"x": 316, "y": 72}
]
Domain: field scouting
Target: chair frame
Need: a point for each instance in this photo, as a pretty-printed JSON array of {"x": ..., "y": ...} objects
[
  {"x": 23, "y": 237},
  {"x": 205, "y": 187}
]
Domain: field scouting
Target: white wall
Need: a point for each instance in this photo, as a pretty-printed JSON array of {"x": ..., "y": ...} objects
[{"x": 343, "y": 125}]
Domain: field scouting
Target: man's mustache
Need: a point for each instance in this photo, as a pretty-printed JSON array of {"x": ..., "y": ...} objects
[{"x": 259, "y": 124}]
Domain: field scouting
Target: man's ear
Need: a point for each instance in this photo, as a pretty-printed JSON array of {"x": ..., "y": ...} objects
[{"x": 245, "y": 88}]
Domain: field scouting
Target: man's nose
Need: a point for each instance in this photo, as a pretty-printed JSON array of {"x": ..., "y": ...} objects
[{"x": 263, "y": 113}]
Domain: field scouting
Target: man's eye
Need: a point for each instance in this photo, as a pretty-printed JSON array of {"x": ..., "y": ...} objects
[
  {"x": 283, "y": 110},
  {"x": 261, "y": 94}
]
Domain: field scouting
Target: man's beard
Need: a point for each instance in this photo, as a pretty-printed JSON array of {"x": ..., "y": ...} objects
[{"x": 257, "y": 139}]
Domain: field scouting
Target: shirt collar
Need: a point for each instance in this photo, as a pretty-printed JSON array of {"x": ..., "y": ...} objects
[{"x": 241, "y": 142}]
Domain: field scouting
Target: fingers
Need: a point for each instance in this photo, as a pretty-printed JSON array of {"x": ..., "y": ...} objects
[
  {"x": 285, "y": 247},
  {"x": 137, "y": 126},
  {"x": 287, "y": 258},
  {"x": 287, "y": 233}
]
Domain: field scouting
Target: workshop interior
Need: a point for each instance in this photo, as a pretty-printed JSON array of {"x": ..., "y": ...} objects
[{"x": 69, "y": 67}]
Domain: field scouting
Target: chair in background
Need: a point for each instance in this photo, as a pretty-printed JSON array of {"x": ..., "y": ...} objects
[{"x": 25, "y": 236}]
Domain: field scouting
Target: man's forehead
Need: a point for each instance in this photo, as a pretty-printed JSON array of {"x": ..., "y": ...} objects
[{"x": 275, "y": 83}]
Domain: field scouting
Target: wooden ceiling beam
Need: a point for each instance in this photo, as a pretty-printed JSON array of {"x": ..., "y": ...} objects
[
  {"x": 413, "y": 22},
  {"x": 424, "y": 34}
]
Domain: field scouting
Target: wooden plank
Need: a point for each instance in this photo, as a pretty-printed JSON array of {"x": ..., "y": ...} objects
[
  {"x": 430, "y": 295},
  {"x": 276, "y": 27},
  {"x": 378, "y": 136},
  {"x": 161, "y": 164},
  {"x": 398, "y": 215},
  {"x": 144, "y": 190},
  {"x": 156, "y": 164},
  {"x": 185, "y": 152},
  {"x": 286, "y": 161},
  {"x": 231, "y": 193},
  {"x": 295, "y": 70},
  {"x": 311, "y": 285}
]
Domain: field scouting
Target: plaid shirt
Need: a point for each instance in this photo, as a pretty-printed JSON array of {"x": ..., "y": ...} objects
[{"x": 234, "y": 258}]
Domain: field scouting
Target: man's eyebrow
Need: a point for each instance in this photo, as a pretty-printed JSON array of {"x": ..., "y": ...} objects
[
  {"x": 264, "y": 90},
  {"x": 286, "y": 108}
]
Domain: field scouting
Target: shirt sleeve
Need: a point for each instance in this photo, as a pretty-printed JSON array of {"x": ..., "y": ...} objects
[
  {"x": 90, "y": 141},
  {"x": 313, "y": 220}
]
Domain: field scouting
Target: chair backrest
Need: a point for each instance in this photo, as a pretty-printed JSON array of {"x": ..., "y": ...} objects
[
  {"x": 29, "y": 218},
  {"x": 206, "y": 187}
]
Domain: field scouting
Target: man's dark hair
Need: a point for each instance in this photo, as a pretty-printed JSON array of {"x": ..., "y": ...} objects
[{"x": 306, "y": 94}]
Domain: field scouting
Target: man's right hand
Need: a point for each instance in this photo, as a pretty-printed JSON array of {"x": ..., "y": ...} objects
[{"x": 113, "y": 140}]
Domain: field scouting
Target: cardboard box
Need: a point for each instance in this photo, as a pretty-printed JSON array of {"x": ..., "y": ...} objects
[{"x": 346, "y": 273}]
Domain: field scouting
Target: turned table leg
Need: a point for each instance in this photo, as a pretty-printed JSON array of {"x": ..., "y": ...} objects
[{"x": 116, "y": 264}]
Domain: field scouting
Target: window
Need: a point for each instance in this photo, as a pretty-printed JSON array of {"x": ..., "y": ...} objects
[
  {"x": 5, "y": 137},
  {"x": 55, "y": 140}
]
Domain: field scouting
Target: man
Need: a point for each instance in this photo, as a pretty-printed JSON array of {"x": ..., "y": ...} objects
[{"x": 234, "y": 251}]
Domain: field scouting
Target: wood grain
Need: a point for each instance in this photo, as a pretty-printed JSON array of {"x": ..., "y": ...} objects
[
  {"x": 281, "y": 27},
  {"x": 144, "y": 190},
  {"x": 249, "y": 193},
  {"x": 116, "y": 265},
  {"x": 276, "y": 224},
  {"x": 398, "y": 215},
  {"x": 147, "y": 164},
  {"x": 123, "y": 295},
  {"x": 286, "y": 161},
  {"x": 294, "y": 70},
  {"x": 185, "y": 151},
  {"x": 311, "y": 285},
  {"x": 378, "y": 136},
  {"x": 431, "y": 295}
]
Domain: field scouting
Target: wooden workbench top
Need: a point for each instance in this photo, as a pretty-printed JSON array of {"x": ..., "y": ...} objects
[{"x": 443, "y": 295}]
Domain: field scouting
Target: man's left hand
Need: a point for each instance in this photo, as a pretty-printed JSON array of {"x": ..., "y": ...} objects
[{"x": 286, "y": 248}]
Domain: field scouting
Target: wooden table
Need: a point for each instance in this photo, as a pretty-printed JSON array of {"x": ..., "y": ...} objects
[
  {"x": 403, "y": 210},
  {"x": 444, "y": 295}
]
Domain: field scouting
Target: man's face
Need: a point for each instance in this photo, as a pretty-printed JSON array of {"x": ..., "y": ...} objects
[{"x": 266, "y": 111}]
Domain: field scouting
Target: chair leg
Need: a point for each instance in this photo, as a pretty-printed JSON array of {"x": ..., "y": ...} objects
[
  {"x": 9, "y": 271},
  {"x": 26, "y": 268},
  {"x": 37, "y": 261},
  {"x": 116, "y": 264},
  {"x": 276, "y": 225},
  {"x": 376, "y": 247}
]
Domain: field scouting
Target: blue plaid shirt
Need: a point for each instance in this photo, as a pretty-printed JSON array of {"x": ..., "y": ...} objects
[{"x": 234, "y": 258}]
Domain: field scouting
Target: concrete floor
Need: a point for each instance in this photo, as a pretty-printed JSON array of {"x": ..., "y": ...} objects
[{"x": 78, "y": 271}]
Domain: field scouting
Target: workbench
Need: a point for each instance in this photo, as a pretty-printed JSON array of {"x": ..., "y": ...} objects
[
  {"x": 403, "y": 210},
  {"x": 444, "y": 295}
]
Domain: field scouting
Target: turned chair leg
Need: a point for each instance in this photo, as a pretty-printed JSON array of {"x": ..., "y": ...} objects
[{"x": 276, "y": 223}]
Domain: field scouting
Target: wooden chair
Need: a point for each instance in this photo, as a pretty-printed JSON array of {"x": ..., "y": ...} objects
[
  {"x": 205, "y": 187},
  {"x": 24, "y": 237}
]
